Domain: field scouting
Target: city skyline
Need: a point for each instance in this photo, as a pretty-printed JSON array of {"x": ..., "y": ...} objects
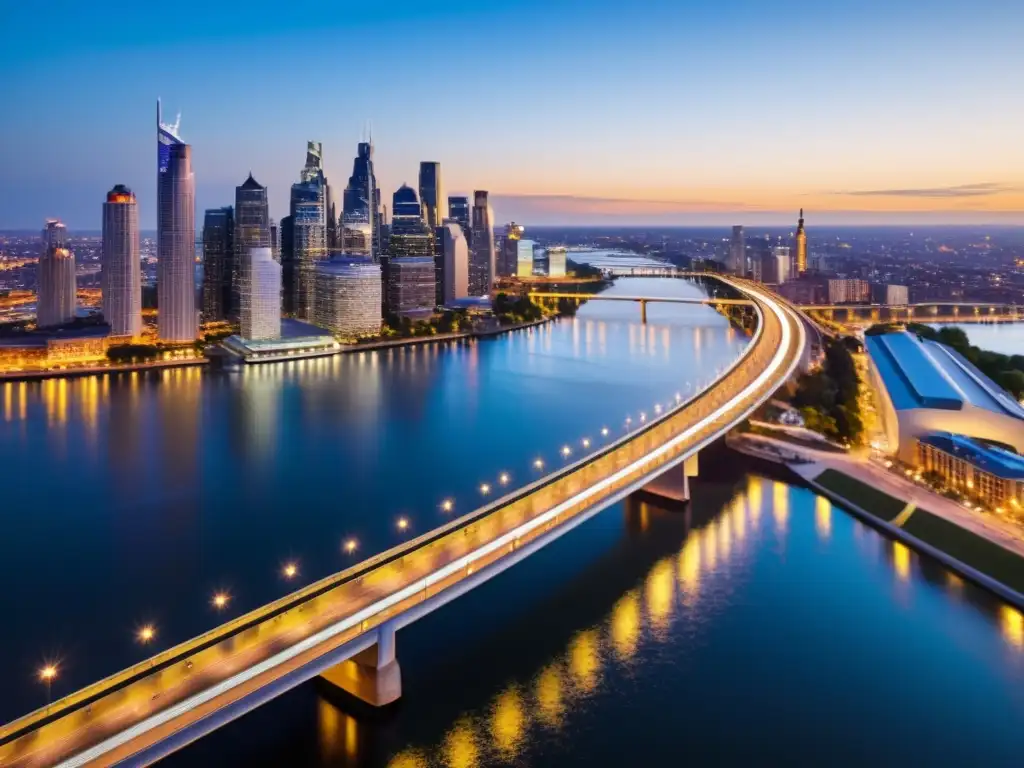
[{"x": 894, "y": 117}]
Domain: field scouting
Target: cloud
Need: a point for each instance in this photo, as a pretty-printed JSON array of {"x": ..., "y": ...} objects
[
  {"x": 963, "y": 190},
  {"x": 617, "y": 205}
]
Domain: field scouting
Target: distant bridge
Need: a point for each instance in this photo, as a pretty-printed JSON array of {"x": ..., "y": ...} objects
[
  {"x": 925, "y": 312},
  {"x": 643, "y": 301}
]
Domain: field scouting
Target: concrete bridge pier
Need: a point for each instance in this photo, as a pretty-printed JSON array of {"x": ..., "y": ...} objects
[
  {"x": 372, "y": 676},
  {"x": 643, "y": 312},
  {"x": 674, "y": 485}
]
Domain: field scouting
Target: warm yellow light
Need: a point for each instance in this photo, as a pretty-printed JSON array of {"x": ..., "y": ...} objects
[
  {"x": 146, "y": 633},
  {"x": 402, "y": 523},
  {"x": 447, "y": 505},
  {"x": 539, "y": 463},
  {"x": 485, "y": 488},
  {"x": 566, "y": 450},
  {"x": 586, "y": 442},
  {"x": 503, "y": 478},
  {"x": 220, "y": 600},
  {"x": 290, "y": 570},
  {"x": 48, "y": 672},
  {"x": 350, "y": 546}
]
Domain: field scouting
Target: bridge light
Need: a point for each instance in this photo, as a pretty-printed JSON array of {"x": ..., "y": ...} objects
[
  {"x": 48, "y": 673},
  {"x": 643, "y": 416},
  {"x": 566, "y": 450},
  {"x": 290, "y": 570},
  {"x": 503, "y": 478},
  {"x": 629, "y": 420},
  {"x": 447, "y": 505},
  {"x": 657, "y": 408},
  {"x": 145, "y": 634},
  {"x": 485, "y": 488},
  {"x": 350, "y": 546},
  {"x": 679, "y": 397},
  {"x": 538, "y": 464},
  {"x": 220, "y": 600},
  {"x": 586, "y": 442},
  {"x": 604, "y": 431}
]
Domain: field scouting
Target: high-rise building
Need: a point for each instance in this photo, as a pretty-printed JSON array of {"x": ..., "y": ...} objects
[
  {"x": 261, "y": 296},
  {"x": 411, "y": 288},
  {"x": 455, "y": 274},
  {"x": 800, "y": 253},
  {"x": 435, "y": 205},
  {"x": 56, "y": 282},
  {"x": 738, "y": 251},
  {"x": 460, "y": 211},
  {"x": 524, "y": 257},
  {"x": 508, "y": 255},
  {"x": 848, "y": 291},
  {"x": 481, "y": 256},
  {"x": 782, "y": 257},
  {"x": 348, "y": 297},
  {"x": 175, "y": 236},
  {"x": 218, "y": 258},
  {"x": 252, "y": 230},
  {"x": 410, "y": 235},
  {"x": 287, "y": 238},
  {"x": 275, "y": 240},
  {"x": 309, "y": 243},
  {"x": 890, "y": 295},
  {"x": 557, "y": 258},
  {"x": 360, "y": 216},
  {"x": 122, "y": 270}
]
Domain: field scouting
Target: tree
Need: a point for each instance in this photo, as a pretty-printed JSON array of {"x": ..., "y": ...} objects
[{"x": 1013, "y": 382}]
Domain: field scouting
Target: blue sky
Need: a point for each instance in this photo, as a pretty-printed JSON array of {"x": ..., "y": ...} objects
[{"x": 669, "y": 112}]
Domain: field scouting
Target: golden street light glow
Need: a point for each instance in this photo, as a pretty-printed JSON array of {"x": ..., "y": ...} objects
[
  {"x": 290, "y": 570},
  {"x": 48, "y": 673},
  {"x": 145, "y": 633},
  {"x": 566, "y": 450},
  {"x": 539, "y": 463},
  {"x": 350, "y": 546},
  {"x": 447, "y": 505},
  {"x": 402, "y": 523},
  {"x": 485, "y": 488},
  {"x": 503, "y": 478},
  {"x": 220, "y": 600}
]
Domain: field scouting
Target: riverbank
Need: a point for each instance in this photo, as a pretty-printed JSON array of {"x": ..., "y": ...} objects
[
  {"x": 443, "y": 337},
  {"x": 96, "y": 370}
]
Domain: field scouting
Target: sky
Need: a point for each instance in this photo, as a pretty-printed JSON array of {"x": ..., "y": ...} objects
[{"x": 567, "y": 111}]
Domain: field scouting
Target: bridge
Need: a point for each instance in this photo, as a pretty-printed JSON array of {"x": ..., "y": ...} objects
[
  {"x": 343, "y": 628},
  {"x": 643, "y": 301},
  {"x": 924, "y": 312}
]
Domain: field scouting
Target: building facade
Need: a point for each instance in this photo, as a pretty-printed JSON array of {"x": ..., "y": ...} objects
[
  {"x": 524, "y": 258},
  {"x": 890, "y": 295},
  {"x": 508, "y": 254},
  {"x": 738, "y": 251},
  {"x": 348, "y": 297},
  {"x": 460, "y": 211},
  {"x": 435, "y": 204},
  {"x": 782, "y": 256},
  {"x": 411, "y": 290},
  {"x": 177, "y": 319},
  {"x": 261, "y": 296},
  {"x": 360, "y": 215},
  {"x": 800, "y": 247},
  {"x": 218, "y": 258},
  {"x": 56, "y": 294},
  {"x": 992, "y": 475},
  {"x": 410, "y": 236},
  {"x": 481, "y": 254},
  {"x": 848, "y": 291},
  {"x": 309, "y": 243},
  {"x": 122, "y": 270},
  {"x": 455, "y": 272},
  {"x": 252, "y": 230},
  {"x": 557, "y": 258}
]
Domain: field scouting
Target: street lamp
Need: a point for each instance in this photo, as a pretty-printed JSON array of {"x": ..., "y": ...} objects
[
  {"x": 485, "y": 488},
  {"x": 586, "y": 442},
  {"x": 402, "y": 523},
  {"x": 350, "y": 546},
  {"x": 447, "y": 505},
  {"x": 604, "y": 431},
  {"x": 290, "y": 570},
  {"x": 539, "y": 464},
  {"x": 503, "y": 478},
  {"x": 220, "y": 600},
  {"x": 146, "y": 633},
  {"x": 47, "y": 674},
  {"x": 566, "y": 450}
]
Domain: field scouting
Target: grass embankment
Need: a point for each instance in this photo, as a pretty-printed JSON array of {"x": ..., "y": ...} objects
[{"x": 969, "y": 548}]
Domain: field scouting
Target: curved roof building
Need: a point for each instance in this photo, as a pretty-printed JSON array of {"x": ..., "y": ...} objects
[{"x": 924, "y": 387}]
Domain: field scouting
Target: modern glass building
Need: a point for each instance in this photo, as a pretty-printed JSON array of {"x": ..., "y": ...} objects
[
  {"x": 287, "y": 245},
  {"x": 989, "y": 473},
  {"x": 524, "y": 258},
  {"x": 360, "y": 215},
  {"x": 481, "y": 255},
  {"x": 56, "y": 282},
  {"x": 738, "y": 251},
  {"x": 455, "y": 259},
  {"x": 261, "y": 296},
  {"x": 410, "y": 235},
  {"x": 309, "y": 243},
  {"x": 122, "y": 271},
  {"x": 435, "y": 205},
  {"x": 252, "y": 230},
  {"x": 460, "y": 211},
  {"x": 411, "y": 286},
  {"x": 508, "y": 256},
  {"x": 177, "y": 320},
  {"x": 218, "y": 257},
  {"x": 557, "y": 258},
  {"x": 348, "y": 297}
]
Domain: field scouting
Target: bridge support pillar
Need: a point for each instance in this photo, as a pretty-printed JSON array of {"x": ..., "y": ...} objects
[
  {"x": 674, "y": 484},
  {"x": 372, "y": 676},
  {"x": 643, "y": 312}
]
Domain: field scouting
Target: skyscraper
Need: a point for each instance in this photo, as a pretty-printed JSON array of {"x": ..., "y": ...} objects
[
  {"x": 411, "y": 286},
  {"x": 261, "y": 296},
  {"x": 455, "y": 274},
  {"x": 508, "y": 260},
  {"x": 557, "y": 258},
  {"x": 309, "y": 242},
  {"x": 459, "y": 211},
  {"x": 175, "y": 236},
  {"x": 360, "y": 215},
  {"x": 737, "y": 252},
  {"x": 435, "y": 206},
  {"x": 481, "y": 257},
  {"x": 56, "y": 283},
  {"x": 218, "y": 258},
  {"x": 410, "y": 235},
  {"x": 348, "y": 297},
  {"x": 122, "y": 270},
  {"x": 800, "y": 255},
  {"x": 783, "y": 260},
  {"x": 252, "y": 230}
]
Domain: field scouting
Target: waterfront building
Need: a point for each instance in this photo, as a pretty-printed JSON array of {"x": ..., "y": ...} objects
[
  {"x": 177, "y": 320},
  {"x": 435, "y": 205},
  {"x": 800, "y": 248},
  {"x": 922, "y": 387},
  {"x": 524, "y": 258},
  {"x": 55, "y": 278},
  {"x": 360, "y": 216},
  {"x": 218, "y": 256},
  {"x": 287, "y": 240},
  {"x": 122, "y": 270},
  {"x": 261, "y": 296},
  {"x": 460, "y": 211},
  {"x": 455, "y": 273},
  {"x": 890, "y": 295},
  {"x": 557, "y": 260},
  {"x": 737, "y": 251},
  {"x": 309, "y": 243},
  {"x": 848, "y": 291},
  {"x": 410, "y": 235},
  {"x": 411, "y": 288},
  {"x": 481, "y": 256},
  {"x": 508, "y": 262},
  {"x": 991, "y": 474},
  {"x": 252, "y": 230},
  {"x": 348, "y": 297}
]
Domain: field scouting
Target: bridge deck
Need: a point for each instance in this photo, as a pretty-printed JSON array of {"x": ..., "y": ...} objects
[
  {"x": 648, "y": 299},
  {"x": 154, "y": 701}
]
